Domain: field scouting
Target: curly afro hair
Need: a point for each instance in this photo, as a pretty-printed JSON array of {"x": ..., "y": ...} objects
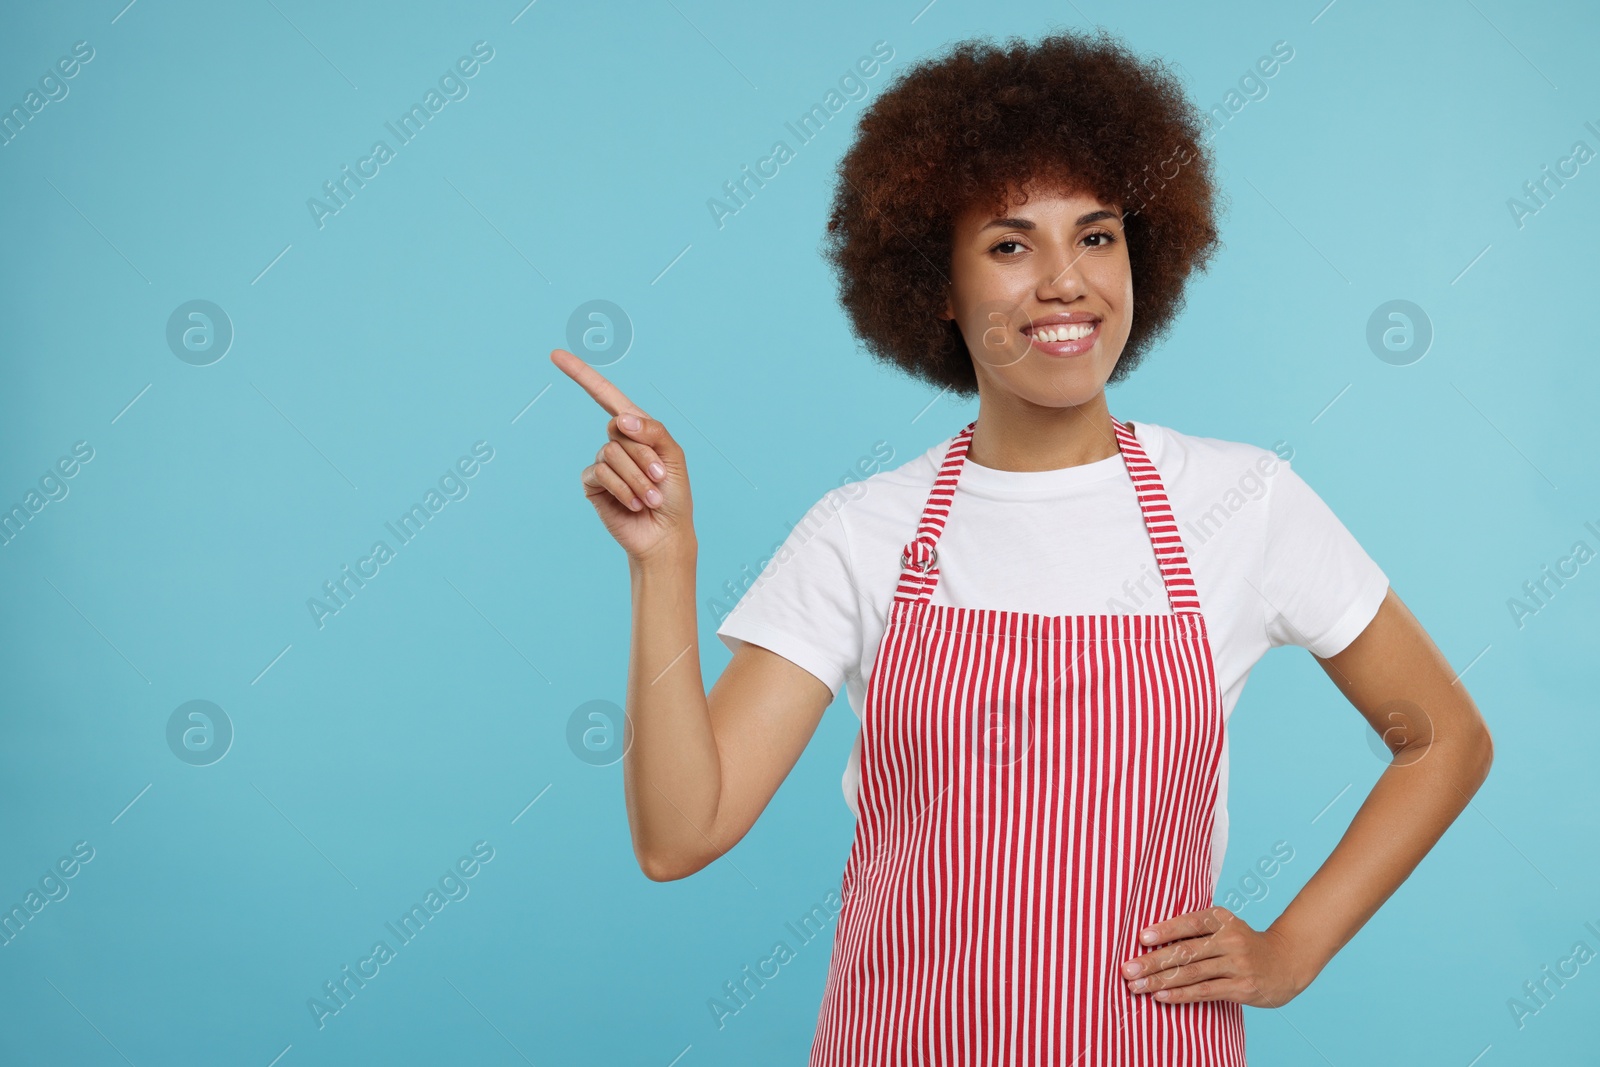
[{"x": 1072, "y": 112}]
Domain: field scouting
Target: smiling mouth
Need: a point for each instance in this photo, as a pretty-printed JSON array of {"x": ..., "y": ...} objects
[{"x": 1063, "y": 339}]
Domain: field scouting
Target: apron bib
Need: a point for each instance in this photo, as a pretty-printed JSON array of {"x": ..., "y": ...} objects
[{"x": 1035, "y": 790}]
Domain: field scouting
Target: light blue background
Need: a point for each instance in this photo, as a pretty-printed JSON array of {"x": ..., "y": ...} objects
[{"x": 428, "y": 714}]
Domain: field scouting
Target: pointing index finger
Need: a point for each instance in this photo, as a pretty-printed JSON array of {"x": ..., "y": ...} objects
[{"x": 607, "y": 395}]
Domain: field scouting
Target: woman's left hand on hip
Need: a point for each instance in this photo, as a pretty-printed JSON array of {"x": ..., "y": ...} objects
[{"x": 1212, "y": 954}]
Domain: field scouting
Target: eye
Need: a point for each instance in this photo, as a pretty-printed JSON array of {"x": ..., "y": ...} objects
[
  {"x": 1003, "y": 244},
  {"x": 1110, "y": 238}
]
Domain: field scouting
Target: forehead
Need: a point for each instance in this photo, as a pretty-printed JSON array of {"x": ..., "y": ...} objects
[{"x": 1043, "y": 201}]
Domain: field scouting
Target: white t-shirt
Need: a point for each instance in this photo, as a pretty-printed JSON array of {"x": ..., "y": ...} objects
[{"x": 1272, "y": 565}]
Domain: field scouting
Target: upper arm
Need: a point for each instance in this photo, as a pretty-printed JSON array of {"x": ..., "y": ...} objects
[
  {"x": 764, "y": 709},
  {"x": 1401, "y": 683},
  {"x": 1319, "y": 587}
]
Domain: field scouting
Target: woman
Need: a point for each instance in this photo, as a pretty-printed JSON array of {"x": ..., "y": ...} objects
[{"x": 1043, "y": 621}]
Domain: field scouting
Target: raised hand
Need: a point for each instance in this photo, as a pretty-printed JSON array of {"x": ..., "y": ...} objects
[{"x": 638, "y": 483}]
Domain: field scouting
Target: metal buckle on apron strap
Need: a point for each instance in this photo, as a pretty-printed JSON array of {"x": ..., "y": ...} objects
[{"x": 923, "y": 565}]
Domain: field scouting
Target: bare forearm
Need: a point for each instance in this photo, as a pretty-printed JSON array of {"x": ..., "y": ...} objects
[
  {"x": 672, "y": 769},
  {"x": 1414, "y": 801}
]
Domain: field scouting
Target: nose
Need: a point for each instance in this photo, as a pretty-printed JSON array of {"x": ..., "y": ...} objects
[{"x": 1059, "y": 277}]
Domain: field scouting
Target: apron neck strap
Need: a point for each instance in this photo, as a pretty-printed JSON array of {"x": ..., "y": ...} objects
[{"x": 919, "y": 560}]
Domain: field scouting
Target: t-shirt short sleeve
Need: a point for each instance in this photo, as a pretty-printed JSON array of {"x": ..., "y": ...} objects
[
  {"x": 803, "y": 605},
  {"x": 1321, "y": 588}
]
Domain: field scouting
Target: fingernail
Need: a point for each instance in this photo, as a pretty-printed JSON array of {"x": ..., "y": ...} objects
[
  {"x": 636, "y": 504},
  {"x": 657, "y": 471},
  {"x": 1140, "y": 984},
  {"x": 630, "y": 423},
  {"x": 1130, "y": 969},
  {"x": 653, "y": 496}
]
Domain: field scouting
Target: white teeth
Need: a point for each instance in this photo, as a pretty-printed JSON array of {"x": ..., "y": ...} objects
[{"x": 1070, "y": 332}]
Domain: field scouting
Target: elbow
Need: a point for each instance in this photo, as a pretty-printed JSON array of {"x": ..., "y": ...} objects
[
  {"x": 1472, "y": 758},
  {"x": 659, "y": 868},
  {"x": 1485, "y": 755},
  {"x": 658, "y": 871},
  {"x": 672, "y": 861}
]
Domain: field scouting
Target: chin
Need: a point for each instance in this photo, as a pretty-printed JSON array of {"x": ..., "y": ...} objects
[
  {"x": 1057, "y": 398},
  {"x": 1063, "y": 389}
]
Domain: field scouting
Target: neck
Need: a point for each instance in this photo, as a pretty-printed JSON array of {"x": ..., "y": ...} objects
[{"x": 1019, "y": 436}]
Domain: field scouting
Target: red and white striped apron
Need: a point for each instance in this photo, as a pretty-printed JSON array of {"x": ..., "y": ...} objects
[{"x": 1035, "y": 790}]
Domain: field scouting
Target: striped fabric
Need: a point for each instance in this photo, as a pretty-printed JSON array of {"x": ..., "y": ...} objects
[{"x": 1035, "y": 790}]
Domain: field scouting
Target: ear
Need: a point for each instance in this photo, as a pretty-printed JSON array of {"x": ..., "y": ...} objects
[{"x": 948, "y": 313}]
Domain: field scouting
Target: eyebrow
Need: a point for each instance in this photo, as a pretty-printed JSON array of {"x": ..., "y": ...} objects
[{"x": 1027, "y": 224}]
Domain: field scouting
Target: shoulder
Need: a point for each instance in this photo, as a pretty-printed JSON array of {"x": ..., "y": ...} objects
[
  {"x": 910, "y": 468},
  {"x": 869, "y": 497},
  {"x": 882, "y": 479},
  {"x": 1211, "y": 480},
  {"x": 1179, "y": 454}
]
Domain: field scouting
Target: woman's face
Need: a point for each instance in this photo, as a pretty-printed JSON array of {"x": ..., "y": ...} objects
[{"x": 1024, "y": 284}]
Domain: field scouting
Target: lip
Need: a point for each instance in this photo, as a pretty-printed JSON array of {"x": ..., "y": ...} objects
[{"x": 1064, "y": 348}]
